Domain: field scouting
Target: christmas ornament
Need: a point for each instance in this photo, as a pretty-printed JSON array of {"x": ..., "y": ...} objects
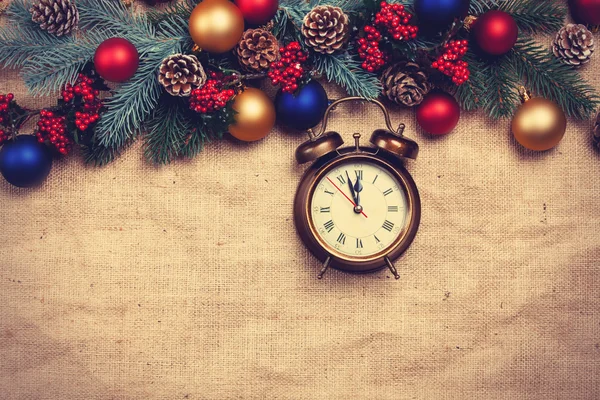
[
  {"x": 596, "y": 133},
  {"x": 255, "y": 115},
  {"x": 257, "y": 12},
  {"x": 439, "y": 113},
  {"x": 405, "y": 83},
  {"x": 287, "y": 71},
  {"x": 325, "y": 29},
  {"x": 438, "y": 14},
  {"x": 586, "y": 11},
  {"x": 24, "y": 162},
  {"x": 116, "y": 59},
  {"x": 216, "y": 26},
  {"x": 257, "y": 49},
  {"x": 538, "y": 124},
  {"x": 179, "y": 74},
  {"x": 356, "y": 208},
  {"x": 495, "y": 32},
  {"x": 58, "y": 17},
  {"x": 304, "y": 109},
  {"x": 450, "y": 63},
  {"x": 574, "y": 45}
]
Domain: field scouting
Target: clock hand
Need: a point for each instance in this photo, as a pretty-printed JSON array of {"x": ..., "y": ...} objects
[
  {"x": 358, "y": 187},
  {"x": 351, "y": 188},
  {"x": 348, "y": 198}
]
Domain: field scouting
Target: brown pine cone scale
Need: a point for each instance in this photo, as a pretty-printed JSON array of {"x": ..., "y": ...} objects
[
  {"x": 180, "y": 74},
  {"x": 574, "y": 45},
  {"x": 405, "y": 83}
]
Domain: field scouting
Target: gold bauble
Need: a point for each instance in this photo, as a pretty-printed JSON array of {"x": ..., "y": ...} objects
[
  {"x": 255, "y": 115},
  {"x": 216, "y": 26},
  {"x": 538, "y": 124}
]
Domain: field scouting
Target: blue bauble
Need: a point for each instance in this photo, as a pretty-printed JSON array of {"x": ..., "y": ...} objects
[
  {"x": 25, "y": 162},
  {"x": 303, "y": 109},
  {"x": 436, "y": 15}
]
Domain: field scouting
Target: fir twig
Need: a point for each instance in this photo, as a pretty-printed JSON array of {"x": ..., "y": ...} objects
[
  {"x": 547, "y": 76},
  {"x": 347, "y": 72},
  {"x": 471, "y": 94},
  {"x": 166, "y": 130},
  {"x": 534, "y": 16}
]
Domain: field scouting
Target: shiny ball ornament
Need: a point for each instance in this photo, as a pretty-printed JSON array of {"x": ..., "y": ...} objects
[
  {"x": 216, "y": 26},
  {"x": 257, "y": 12},
  {"x": 439, "y": 113},
  {"x": 25, "y": 162},
  {"x": 304, "y": 109},
  {"x": 435, "y": 15},
  {"x": 116, "y": 59},
  {"x": 495, "y": 32},
  {"x": 255, "y": 115},
  {"x": 539, "y": 124},
  {"x": 586, "y": 11}
]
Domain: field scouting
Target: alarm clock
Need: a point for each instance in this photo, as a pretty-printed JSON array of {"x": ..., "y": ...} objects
[{"x": 357, "y": 208}]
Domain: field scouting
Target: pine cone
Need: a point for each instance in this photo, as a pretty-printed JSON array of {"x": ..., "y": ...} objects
[
  {"x": 180, "y": 74},
  {"x": 257, "y": 49},
  {"x": 325, "y": 29},
  {"x": 405, "y": 83},
  {"x": 574, "y": 45},
  {"x": 596, "y": 135},
  {"x": 59, "y": 17}
]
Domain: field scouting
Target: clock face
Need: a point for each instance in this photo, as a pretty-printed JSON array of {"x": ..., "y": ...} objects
[{"x": 358, "y": 209}]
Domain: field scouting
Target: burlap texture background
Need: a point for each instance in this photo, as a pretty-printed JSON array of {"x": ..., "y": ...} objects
[{"x": 188, "y": 281}]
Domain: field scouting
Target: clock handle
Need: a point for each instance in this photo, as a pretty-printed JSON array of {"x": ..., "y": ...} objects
[
  {"x": 318, "y": 133},
  {"x": 392, "y": 268}
]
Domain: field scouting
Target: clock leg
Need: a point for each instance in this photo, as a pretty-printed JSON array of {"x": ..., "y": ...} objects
[
  {"x": 325, "y": 268},
  {"x": 393, "y": 269}
]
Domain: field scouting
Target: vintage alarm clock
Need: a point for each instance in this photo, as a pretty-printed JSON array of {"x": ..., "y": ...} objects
[{"x": 357, "y": 209}]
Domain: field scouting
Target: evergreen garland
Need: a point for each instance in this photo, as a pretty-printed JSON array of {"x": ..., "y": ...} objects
[{"x": 139, "y": 105}]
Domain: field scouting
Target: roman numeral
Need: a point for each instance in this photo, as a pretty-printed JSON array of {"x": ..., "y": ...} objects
[
  {"x": 341, "y": 179},
  {"x": 359, "y": 174},
  {"x": 328, "y": 192},
  {"x": 342, "y": 238},
  {"x": 376, "y": 176},
  {"x": 325, "y": 209},
  {"x": 392, "y": 208},
  {"x": 388, "y": 226},
  {"x": 359, "y": 244},
  {"x": 389, "y": 191},
  {"x": 376, "y": 239},
  {"x": 329, "y": 225}
]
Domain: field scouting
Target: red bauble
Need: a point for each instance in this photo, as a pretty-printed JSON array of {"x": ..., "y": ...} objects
[
  {"x": 116, "y": 59},
  {"x": 586, "y": 11},
  {"x": 439, "y": 113},
  {"x": 257, "y": 12},
  {"x": 496, "y": 32}
]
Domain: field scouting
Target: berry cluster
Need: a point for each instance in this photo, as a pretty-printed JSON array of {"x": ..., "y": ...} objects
[
  {"x": 368, "y": 50},
  {"x": 5, "y": 101},
  {"x": 391, "y": 19},
  {"x": 288, "y": 70},
  {"x": 395, "y": 20},
  {"x": 211, "y": 96},
  {"x": 86, "y": 95},
  {"x": 450, "y": 63},
  {"x": 52, "y": 129}
]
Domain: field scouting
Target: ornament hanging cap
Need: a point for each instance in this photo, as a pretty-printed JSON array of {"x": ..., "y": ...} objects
[
  {"x": 524, "y": 93},
  {"x": 469, "y": 22}
]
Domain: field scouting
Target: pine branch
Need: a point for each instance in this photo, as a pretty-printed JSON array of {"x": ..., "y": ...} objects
[
  {"x": 47, "y": 72},
  {"x": 133, "y": 101},
  {"x": 18, "y": 13},
  {"x": 547, "y": 76},
  {"x": 471, "y": 94},
  {"x": 500, "y": 96},
  {"x": 19, "y": 43},
  {"x": 347, "y": 72},
  {"x": 534, "y": 16},
  {"x": 166, "y": 130},
  {"x": 98, "y": 155},
  {"x": 113, "y": 16}
]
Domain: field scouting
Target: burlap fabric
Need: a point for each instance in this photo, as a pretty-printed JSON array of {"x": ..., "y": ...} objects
[{"x": 188, "y": 281}]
